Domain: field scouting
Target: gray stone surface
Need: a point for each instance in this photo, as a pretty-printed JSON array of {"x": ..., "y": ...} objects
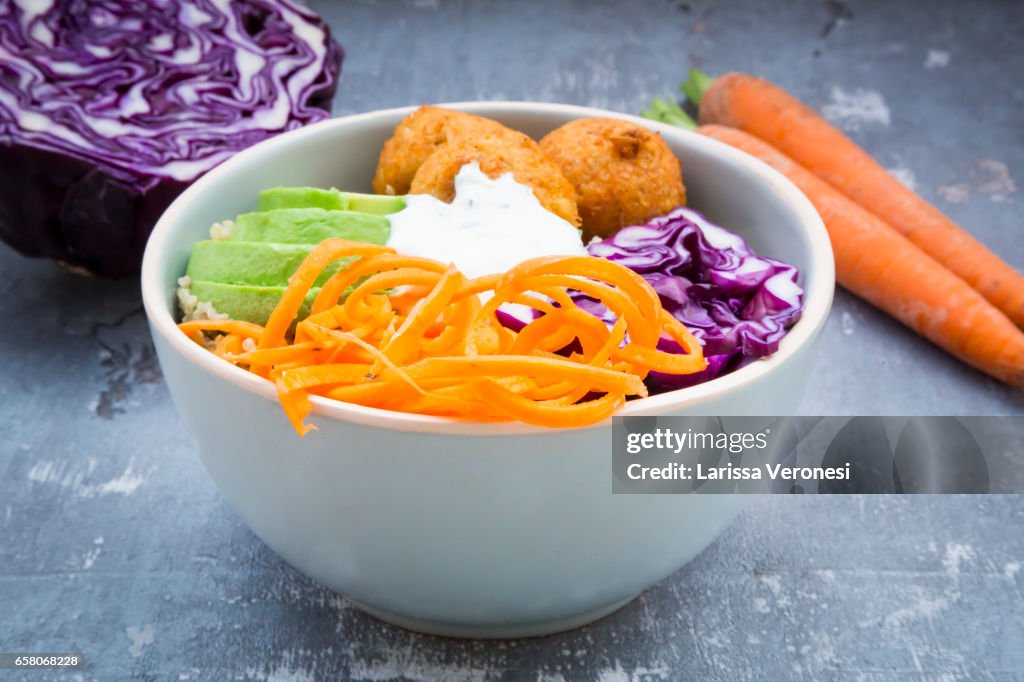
[{"x": 114, "y": 543}]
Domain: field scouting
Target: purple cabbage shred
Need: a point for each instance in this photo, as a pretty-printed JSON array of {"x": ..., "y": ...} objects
[{"x": 738, "y": 304}]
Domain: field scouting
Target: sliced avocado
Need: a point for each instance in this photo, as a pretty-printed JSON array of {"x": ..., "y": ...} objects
[
  {"x": 246, "y": 302},
  {"x": 302, "y": 197},
  {"x": 378, "y": 204},
  {"x": 256, "y": 263},
  {"x": 309, "y": 226}
]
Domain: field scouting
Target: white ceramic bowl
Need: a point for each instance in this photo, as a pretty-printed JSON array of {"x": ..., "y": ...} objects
[{"x": 464, "y": 529}]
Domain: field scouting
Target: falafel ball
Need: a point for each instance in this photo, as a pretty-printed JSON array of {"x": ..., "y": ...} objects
[
  {"x": 623, "y": 173},
  {"x": 416, "y": 137},
  {"x": 499, "y": 154}
]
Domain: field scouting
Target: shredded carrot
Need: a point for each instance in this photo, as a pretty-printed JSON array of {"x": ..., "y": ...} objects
[
  {"x": 402, "y": 345},
  {"x": 414, "y": 335},
  {"x": 276, "y": 356},
  {"x": 544, "y": 413},
  {"x": 240, "y": 327},
  {"x": 333, "y": 289},
  {"x": 302, "y": 281}
]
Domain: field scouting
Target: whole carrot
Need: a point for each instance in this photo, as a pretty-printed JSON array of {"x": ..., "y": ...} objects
[
  {"x": 883, "y": 267},
  {"x": 770, "y": 113}
]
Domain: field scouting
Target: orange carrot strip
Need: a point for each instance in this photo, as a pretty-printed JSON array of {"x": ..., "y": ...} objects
[
  {"x": 380, "y": 358},
  {"x": 248, "y": 330},
  {"x": 234, "y": 345},
  {"x": 381, "y": 390},
  {"x": 547, "y": 414},
  {"x": 302, "y": 281},
  {"x": 550, "y": 391},
  {"x": 614, "y": 340},
  {"x": 335, "y": 287},
  {"x": 548, "y": 333},
  {"x": 678, "y": 332},
  {"x": 643, "y": 329},
  {"x": 559, "y": 296},
  {"x": 386, "y": 280},
  {"x": 400, "y": 347},
  {"x": 445, "y": 399},
  {"x": 631, "y": 284},
  {"x": 378, "y": 314},
  {"x": 296, "y": 407},
  {"x": 445, "y": 341},
  {"x": 670, "y": 363},
  {"x": 405, "y": 298},
  {"x": 482, "y": 339},
  {"x": 477, "y": 285},
  {"x": 458, "y": 316},
  {"x": 321, "y": 375},
  {"x": 460, "y": 401},
  {"x": 598, "y": 378},
  {"x": 536, "y": 302},
  {"x": 275, "y": 356},
  {"x": 660, "y": 362},
  {"x": 557, "y": 329}
]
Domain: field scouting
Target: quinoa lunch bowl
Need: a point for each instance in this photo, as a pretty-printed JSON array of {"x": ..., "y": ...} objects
[{"x": 488, "y": 527}]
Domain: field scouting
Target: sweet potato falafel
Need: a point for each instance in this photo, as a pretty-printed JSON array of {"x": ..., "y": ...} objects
[
  {"x": 623, "y": 173},
  {"x": 498, "y": 154},
  {"x": 417, "y": 136}
]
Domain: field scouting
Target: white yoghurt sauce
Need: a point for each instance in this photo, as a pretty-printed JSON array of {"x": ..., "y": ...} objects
[{"x": 490, "y": 226}]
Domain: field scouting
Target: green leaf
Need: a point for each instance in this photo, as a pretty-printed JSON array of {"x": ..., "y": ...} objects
[{"x": 696, "y": 85}]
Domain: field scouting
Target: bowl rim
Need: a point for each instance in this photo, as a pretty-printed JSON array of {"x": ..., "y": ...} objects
[{"x": 817, "y": 296}]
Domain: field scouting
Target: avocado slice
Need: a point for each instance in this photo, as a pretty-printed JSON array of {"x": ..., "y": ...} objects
[
  {"x": 309, "y": 226},
  {"x": 302, "y": 197},
  {"x": 377, "y": 204},
  {"x": 247, "y": 302},
  {"x": 256, "y": 263},
  {"x": 329, "y": 199}
]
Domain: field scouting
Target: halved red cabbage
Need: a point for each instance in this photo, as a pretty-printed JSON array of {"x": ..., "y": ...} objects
[
  {"x": 110, "y": 108},
  {"x": 737, "y": 303}
]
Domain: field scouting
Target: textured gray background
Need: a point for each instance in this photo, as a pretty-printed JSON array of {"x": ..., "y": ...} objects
[{"x": 114, "y": 543}]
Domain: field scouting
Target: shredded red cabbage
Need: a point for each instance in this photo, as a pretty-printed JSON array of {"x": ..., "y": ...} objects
[{"x": 738, "y": 304}]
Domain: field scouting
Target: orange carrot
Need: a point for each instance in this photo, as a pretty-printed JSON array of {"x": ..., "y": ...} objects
[
  {"x": 402, "y": 345},
  {"x": 883, "y": 267},
  {"x": 276, "y": 356},
  {"x": 770, "y": 113},
  {"x": 296, "y": 406},
  {"x": 436, "y": 349},
  {"x": 301, "y": 282},
  {"x": 549, "y": 415},
  {"x": 334, "y": 287},
  {"x": 241, "y": 327},
  {"x": 483, "y": 366},
  {"x": 664, "y": 362}
]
